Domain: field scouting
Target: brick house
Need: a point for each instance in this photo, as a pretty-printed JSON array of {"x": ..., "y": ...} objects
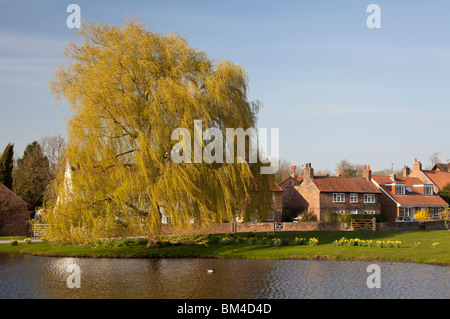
[
  {"x": 438, "y": 176},
  {"x": 336, "y": 194},
  {"x": 14, "y": 214},
  {"x": 404, "y": 196},
  {"x": 291, "y": 198}
]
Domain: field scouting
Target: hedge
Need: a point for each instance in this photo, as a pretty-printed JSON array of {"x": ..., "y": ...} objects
[{"x": 346, "y": 218}]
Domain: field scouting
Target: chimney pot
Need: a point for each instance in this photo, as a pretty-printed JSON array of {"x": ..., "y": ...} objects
[
  {"x": 308, "y": 173},
  {"x": 293, "y": 170},
  {"x": 367, "y": 173}
]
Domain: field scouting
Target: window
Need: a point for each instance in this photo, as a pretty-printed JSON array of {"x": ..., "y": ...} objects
[
  {"x": 353, "y": 198},
  {"x": 400, "y": 189},
  {"x": 353, "y": 211},
  {"x": 369, "y": 198},
  {"x": 369, "y": 212},
  {"x": 338, "y": 197},
  {"x": 435, "y": 212},
  {"x": 428, "y": 190},
  {"x": 407, "y": 211},
  {"x": 340, "y": 212}
]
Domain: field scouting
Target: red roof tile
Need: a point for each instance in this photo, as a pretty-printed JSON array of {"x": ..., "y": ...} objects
[
  {"x": 440, "y": 179},
  {"x": 345, "y": 184},
  {"x": 413, "y": 198}
]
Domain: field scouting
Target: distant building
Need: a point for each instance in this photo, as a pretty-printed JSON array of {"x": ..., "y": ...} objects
[
  {"x": 438, "y": 176},
  {"x": 404, "y": 196},
  {"x": 291, "y": 198},
  {"x": 14, "y": 214},
  {"x": 324, "y": 194}
]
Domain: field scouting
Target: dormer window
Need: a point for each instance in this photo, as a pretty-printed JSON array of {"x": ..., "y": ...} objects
[
  {"x": 399, "y": 189},
  {"x": 428, "y": 190}
]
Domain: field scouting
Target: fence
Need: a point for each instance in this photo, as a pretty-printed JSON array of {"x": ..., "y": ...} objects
[{"x": 364, "y": 224}]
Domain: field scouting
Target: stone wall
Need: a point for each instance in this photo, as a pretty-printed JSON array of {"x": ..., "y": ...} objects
[
  {"x": 409, "y": 226},
  {"x": 436, "y": 225},
  {"x": 393, "y": 226}
]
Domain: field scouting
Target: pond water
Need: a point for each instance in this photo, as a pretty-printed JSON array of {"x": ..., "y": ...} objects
[{"x": 26, "y": 276}]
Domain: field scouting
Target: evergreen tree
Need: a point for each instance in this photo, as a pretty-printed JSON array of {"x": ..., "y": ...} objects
[
  {"x": 445, "y": 193},
  {"x": 6, "y": 166},
  {"x": 32, "y": 176}
]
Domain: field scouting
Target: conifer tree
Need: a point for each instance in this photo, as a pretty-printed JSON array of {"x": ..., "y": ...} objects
[{"x": 6, "y": 166}]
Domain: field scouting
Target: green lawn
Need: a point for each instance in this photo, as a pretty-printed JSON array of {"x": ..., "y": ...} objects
[{"x": 325, "y": 249}]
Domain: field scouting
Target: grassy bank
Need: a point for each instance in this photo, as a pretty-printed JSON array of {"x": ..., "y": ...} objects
[{"x": 265, "y": 245}]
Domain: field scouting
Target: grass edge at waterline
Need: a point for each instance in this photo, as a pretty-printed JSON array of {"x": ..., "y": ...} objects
[{"x": 317, "y": 245}]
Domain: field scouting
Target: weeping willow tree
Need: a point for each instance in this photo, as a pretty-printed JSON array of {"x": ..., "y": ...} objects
[{"x": 128, "y": 90}]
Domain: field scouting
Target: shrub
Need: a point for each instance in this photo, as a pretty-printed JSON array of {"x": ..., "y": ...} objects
[
  {"x": 313, "y": 241},
  {"x": 422, "y": 215},
  {"x": 13, "y": 242},
  {"x": 306, "y": 216},
  {"x": 27, "y": 240},
  {"x": 331, "y": 217},
  {"x": 143, "y": 241}
]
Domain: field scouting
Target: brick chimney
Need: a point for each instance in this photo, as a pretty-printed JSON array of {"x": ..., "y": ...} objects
[
  {"x": 308, "y": 173},
  {"x": 393, "y": 177},
  {"x": 406, "y": 171},
  {"x": 293, "y": 171},
  {"x": 367, "y": 172},
  {"x": 417, "y": 166}
]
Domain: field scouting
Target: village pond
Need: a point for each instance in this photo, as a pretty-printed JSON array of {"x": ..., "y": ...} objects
[{"x": 28, "y": 276}]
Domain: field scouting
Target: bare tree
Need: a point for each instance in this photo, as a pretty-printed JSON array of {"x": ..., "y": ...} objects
[
  {"x": 348, "y": 169},
  {"x": 434, "y": 159},
  {"x": 54, "y": 148}
]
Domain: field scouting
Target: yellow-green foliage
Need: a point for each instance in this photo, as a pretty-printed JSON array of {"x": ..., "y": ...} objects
[
  {"x": 128, "y": 89},
  {"x": 422, "y": 215}
]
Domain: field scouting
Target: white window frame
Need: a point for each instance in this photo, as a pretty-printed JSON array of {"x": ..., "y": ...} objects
[
  {"x": 338, "y": 197},
  {"x": 353, "y": 211},
  {"x": 428, "y": 190},
  {"x": 435, "y": 212},
  {"x": 353, "y": 197},
  {"x": 407, "y": 211},
  {"x": 340, "y": 212},
  {"x": 370, "y": 212},
  {"x": 369, "y": 198},
  {"x": 402, "y": 189}
]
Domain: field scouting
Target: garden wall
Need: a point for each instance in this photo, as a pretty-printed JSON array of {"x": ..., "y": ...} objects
[
  {"x": 409, "y": 226},
  {"x": 311, "y": 226},
  {"x": 393, "y": 226},
  {"x": 436, "y": 225}
]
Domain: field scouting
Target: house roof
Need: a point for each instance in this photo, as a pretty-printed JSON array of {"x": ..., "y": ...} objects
[
  {"x": 443, "y": 167},
  {"x": 299, "y": 179},
  {"x": 256, "y": 183},
  {"x": 11, "y": 200},
  {"x": 414, "y": 198},
  {"x": 344, "y": 184},
  {"x": 440, "y": 179}
]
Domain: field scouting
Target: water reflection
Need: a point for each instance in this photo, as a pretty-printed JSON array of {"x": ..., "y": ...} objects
[{"x": 24, "y": 276}]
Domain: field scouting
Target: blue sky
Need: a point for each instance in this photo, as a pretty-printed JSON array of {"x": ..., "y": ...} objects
[{"x": 335, "y": 88}]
